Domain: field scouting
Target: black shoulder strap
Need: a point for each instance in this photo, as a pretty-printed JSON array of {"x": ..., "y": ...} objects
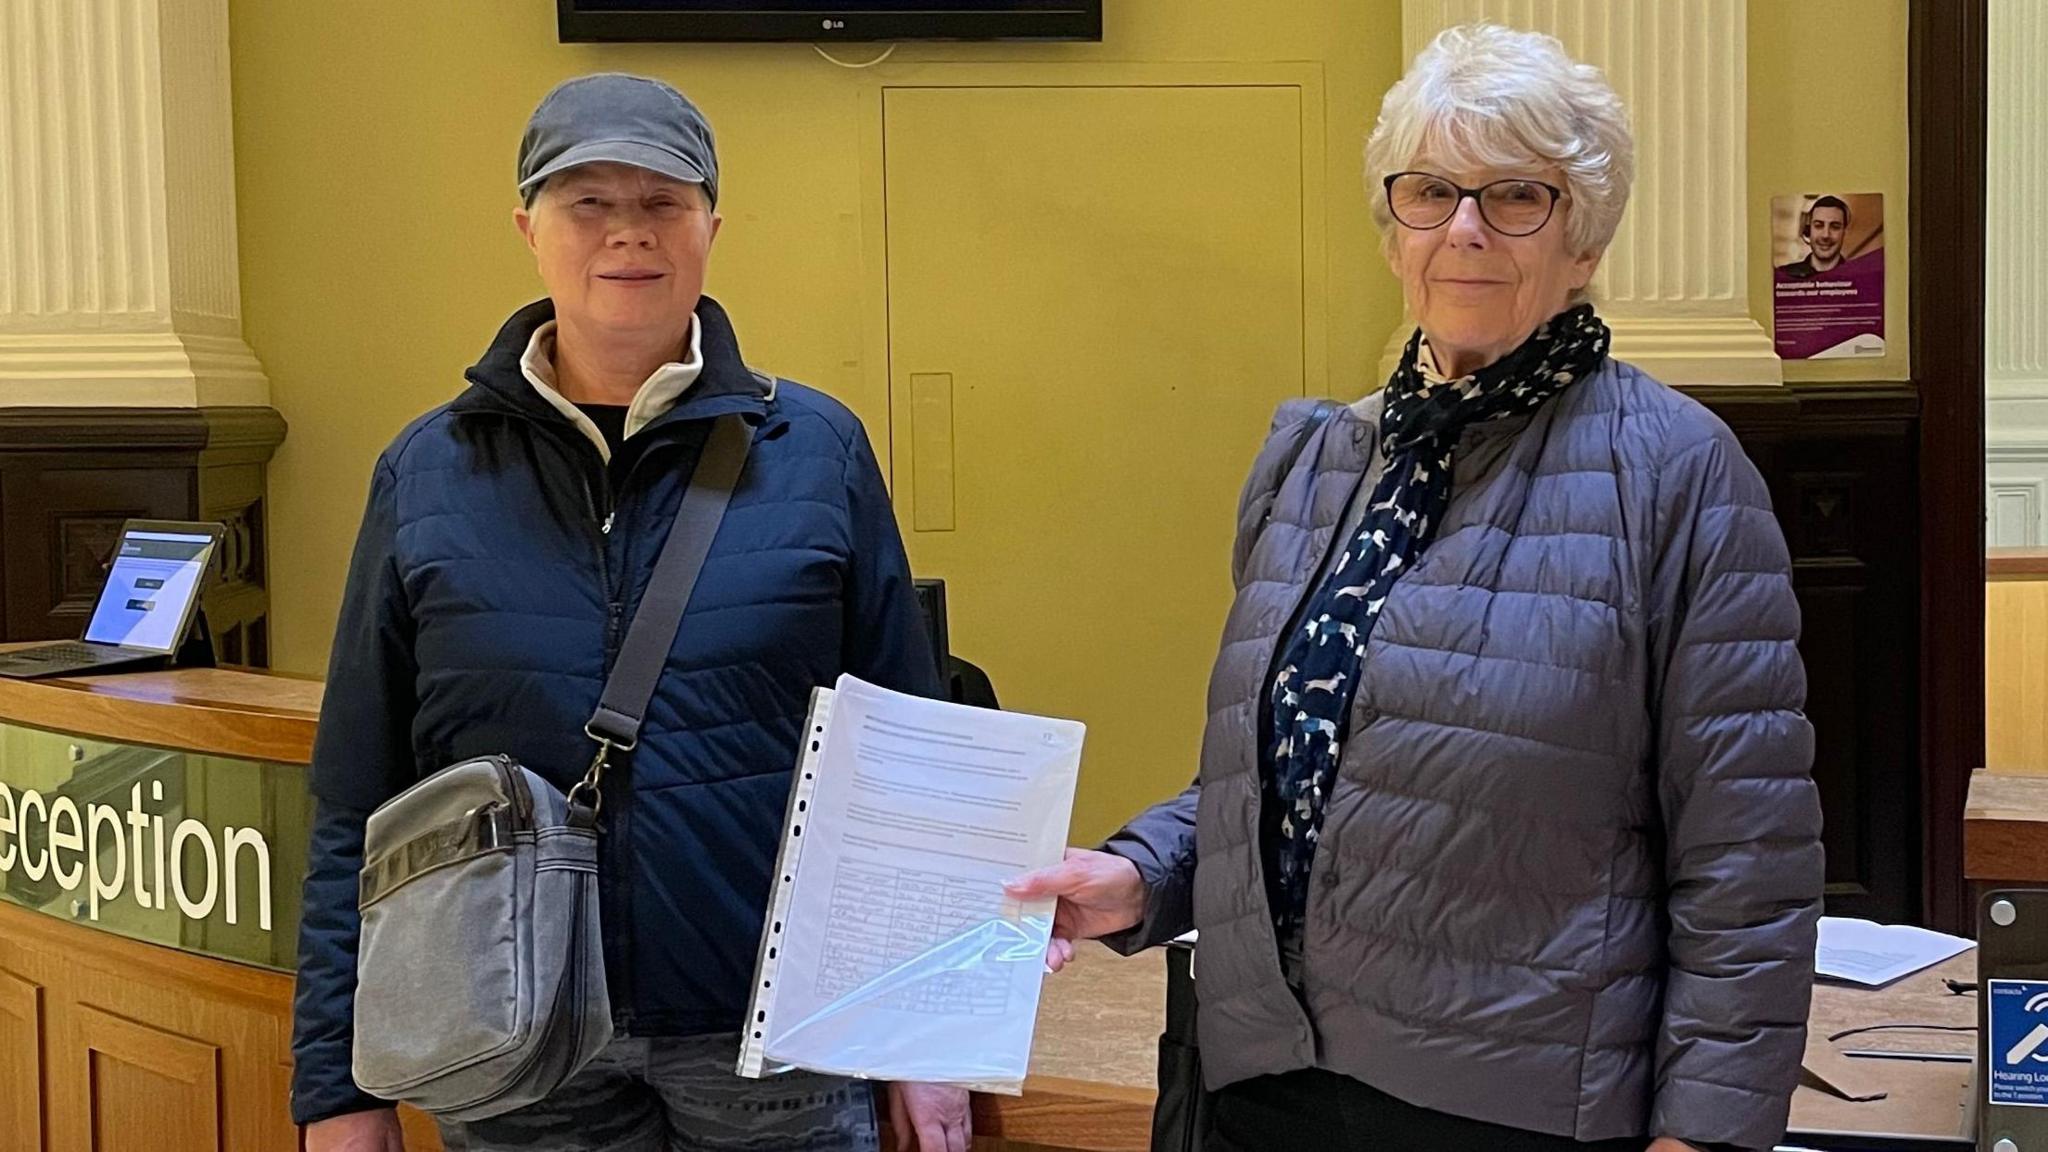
[
  {"x": 1303, "y": 433},
  {"x": 1300, "y": 433},
  {"x": 1317, "y": 417},
  {"x": 616, "y": 723}
]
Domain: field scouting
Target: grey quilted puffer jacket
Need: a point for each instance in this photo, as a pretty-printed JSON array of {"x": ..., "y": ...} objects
[{"x": 1569, "y": 875}]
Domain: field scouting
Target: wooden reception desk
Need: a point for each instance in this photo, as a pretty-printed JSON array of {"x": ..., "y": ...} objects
[{"x": 145, "y": 997}]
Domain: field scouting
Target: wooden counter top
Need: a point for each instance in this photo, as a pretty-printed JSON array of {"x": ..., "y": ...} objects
[
  {"x": 1923, "y": 1099},
  {"x": 217, "y": 712},
  {"x": 1099, "y": 1019},
  {"x": 2016, "y": 563},
  {"x": 2005, "y": 828},
  {"x": 1094, "y": 1058}
]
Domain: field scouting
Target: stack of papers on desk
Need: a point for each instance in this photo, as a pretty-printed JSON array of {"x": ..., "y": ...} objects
[{"x": 1873, "y": 954}]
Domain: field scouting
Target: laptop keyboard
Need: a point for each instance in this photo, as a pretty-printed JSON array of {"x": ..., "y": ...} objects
[
  {"x": 60, "y": 654},
  {"x": 64, "y": 658}
]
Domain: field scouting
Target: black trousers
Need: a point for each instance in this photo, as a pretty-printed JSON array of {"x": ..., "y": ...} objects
[{"x": 1317, "y": 1111}]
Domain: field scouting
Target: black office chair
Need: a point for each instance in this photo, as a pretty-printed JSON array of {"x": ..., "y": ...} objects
[
  {"x": 965, "y": 682},
  {"x": 968, "y": 684}
]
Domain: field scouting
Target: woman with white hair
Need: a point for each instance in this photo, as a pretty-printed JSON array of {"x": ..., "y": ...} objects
[{"x": 1504, "y": 835}]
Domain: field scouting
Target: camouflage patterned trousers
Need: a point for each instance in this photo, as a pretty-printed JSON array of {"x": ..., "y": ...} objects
[{"x": 680, "y": 1095}]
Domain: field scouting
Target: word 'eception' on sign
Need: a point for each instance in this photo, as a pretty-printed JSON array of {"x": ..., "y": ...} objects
[{"x": 112, "y": 852}]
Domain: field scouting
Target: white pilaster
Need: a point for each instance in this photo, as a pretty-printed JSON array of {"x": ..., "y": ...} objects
[
  {"x": 118, "y": 275},
  {"x": 1673, "y": 285},
  {"x": 2016, "y": 273}
]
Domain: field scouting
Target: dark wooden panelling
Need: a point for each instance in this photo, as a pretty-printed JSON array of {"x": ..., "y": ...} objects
[
  {"x": 1846, "y": 483},
  {"x": 68, "y": 477},
  {"x": 82, "y": 547},
  {"x": 1840, "y": 464},
  {"x": 61, "y": 526},
  {"x": 1945, "y": 99},
  {"x": 1830, "y": 625}
]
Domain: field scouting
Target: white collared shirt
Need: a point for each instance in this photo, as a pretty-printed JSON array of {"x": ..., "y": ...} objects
[
  {"x": 1368, "y": 405},
  {"x": 657, "y": 394},
  {"x": 1425, "y": 363}
]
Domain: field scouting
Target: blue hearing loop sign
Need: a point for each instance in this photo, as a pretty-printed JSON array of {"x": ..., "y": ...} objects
[{"x": 2016, "y": 1051}]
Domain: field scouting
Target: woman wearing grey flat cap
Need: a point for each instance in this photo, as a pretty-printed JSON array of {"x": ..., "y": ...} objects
[
  {"x": 508, "y": 538},
  {"x": 1504, "y": 836}
]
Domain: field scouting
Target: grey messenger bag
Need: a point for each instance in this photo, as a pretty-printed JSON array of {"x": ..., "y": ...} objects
[{"x": 480, "y": 974}]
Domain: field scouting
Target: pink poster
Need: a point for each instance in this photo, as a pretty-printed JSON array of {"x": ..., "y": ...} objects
[{"x": 1827, "y": 275}]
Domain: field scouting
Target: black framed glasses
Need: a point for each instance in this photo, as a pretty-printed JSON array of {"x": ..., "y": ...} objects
[{"x": 1515, "y": 207}]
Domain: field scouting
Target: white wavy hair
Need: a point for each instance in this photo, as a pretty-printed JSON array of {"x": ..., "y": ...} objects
[{"x": 1484, "y": 96}]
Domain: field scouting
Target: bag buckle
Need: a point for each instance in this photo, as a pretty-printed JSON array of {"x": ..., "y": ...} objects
[
  {"x": 591, "y": 786},
  {"x": 590, "y": 730}
]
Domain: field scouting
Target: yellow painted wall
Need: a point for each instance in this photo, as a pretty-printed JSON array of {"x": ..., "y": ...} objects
[
  {"x": 1827, "y": 112},
  {"x": 375, "y": 143}
]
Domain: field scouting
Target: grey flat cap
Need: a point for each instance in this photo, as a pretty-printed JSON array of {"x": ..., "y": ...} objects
[{"x": 623, "y": 119}]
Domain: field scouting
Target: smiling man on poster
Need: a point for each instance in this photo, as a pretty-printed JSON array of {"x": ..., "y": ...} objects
[{"x": 1827, "y": 278}]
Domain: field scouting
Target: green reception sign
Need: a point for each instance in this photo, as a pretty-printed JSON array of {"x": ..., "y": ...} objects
[{"x": 202, "y": 853}]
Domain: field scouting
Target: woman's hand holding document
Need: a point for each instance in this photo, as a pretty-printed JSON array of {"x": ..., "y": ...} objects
[
  {"x": 1099, "y": 893},
  {"x": 892, "y": 950}
]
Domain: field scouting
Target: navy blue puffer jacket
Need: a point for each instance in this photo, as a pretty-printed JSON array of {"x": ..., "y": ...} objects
[{"x": 485, "y": 602}]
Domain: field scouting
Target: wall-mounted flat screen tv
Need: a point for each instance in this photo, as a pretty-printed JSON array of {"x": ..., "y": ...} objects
[{"x": 827, "y": 20}]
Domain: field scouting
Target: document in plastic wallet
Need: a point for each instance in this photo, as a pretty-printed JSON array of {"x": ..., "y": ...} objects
[{"x": 890, "y": 950}]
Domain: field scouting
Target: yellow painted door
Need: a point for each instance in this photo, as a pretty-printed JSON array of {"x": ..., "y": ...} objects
[{"x": 1096, "y": 298}]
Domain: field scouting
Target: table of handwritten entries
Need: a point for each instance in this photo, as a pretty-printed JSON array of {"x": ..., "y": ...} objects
[{"x": 884, "y": 916}]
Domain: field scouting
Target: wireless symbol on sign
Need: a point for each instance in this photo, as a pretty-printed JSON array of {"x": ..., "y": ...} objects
[{"x": 2029, "y": 1046}]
